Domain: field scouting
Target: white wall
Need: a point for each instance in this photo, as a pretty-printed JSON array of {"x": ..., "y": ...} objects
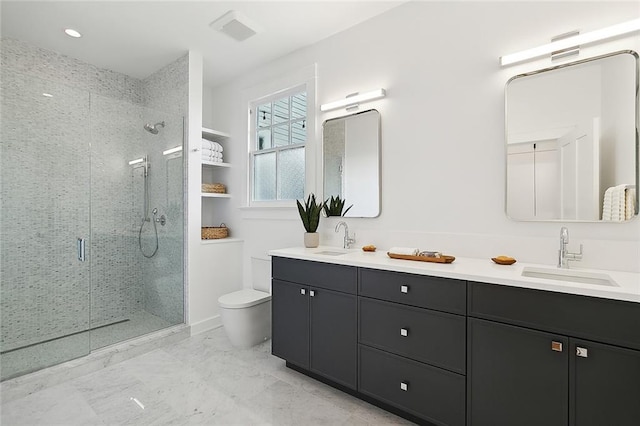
[
  {"x": 443, "y": 153},
  {"x": 213, "y": 269}
]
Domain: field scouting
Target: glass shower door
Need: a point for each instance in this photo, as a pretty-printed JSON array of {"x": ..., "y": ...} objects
[
  {"x": 137, "y": 220},
  {"x": 44, "y": 223}
]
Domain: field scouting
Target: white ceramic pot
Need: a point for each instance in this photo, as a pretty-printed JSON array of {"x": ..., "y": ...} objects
[{"x": 311, "y": 239}]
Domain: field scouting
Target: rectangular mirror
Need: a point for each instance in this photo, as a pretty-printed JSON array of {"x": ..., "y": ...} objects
[
  {"x": 572, "y": 141},
  {"x": 351, "y": 162}
]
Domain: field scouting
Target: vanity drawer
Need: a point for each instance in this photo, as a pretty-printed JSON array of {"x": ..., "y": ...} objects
[
  {"x": 602, "y": 320},
  {"x": 442, "y": 294},
  {"x": 433, "y": 337},
  {"x": 428, "y": 392},
  {"x": 316, "y": 274}
]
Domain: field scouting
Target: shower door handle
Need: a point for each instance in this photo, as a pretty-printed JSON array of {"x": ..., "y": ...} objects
[{"x": 81, "y": 249}]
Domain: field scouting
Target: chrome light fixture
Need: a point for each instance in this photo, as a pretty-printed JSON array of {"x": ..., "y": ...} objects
[
  {"x": 570, "y": 42},
  {"x": 354, "y": 99}
]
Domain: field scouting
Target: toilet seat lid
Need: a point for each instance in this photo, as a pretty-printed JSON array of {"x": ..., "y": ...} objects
[{"x": 243, "y": 299}]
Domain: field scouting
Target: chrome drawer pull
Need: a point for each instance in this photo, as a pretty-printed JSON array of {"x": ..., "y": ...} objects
[
  {"x": 582, "y": 352},
  {"x": 303, "y": 291},
  {"x": 312, "y": 293},
  {"x": 404, "y": 289},
  {"x": 404, "y": 332},
  {"x": 404, "y": 386}
]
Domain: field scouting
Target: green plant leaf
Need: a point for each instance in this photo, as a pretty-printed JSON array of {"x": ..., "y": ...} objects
[{"x": 310, "y": 213}]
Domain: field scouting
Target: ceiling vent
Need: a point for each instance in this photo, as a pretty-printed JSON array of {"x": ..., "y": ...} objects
[{"x": 235, "y": 25}]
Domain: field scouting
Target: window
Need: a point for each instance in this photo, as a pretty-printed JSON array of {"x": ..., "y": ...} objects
[{"x": 277, "y": 154}]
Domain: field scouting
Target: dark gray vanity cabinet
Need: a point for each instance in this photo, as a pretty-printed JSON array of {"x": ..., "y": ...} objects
[
  {"x": 516, "y": 376},
  {"x": 412, "y": 344},
  {"x": 604, "y": 384},
  {"x": 449, "y": 352},
  {"x": 314, "y": 317},
  {"x": 534, "y": 358},
  {"x": 290, "y": 322}
]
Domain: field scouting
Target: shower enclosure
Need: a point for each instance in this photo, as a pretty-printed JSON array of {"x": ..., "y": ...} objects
[{"x": 83, "y": 264}]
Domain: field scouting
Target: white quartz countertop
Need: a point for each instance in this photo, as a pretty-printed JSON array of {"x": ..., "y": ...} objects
[{"x": 472, "y": 269}]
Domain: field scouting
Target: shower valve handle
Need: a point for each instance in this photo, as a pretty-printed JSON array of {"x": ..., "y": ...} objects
[{"x": 162, "y": 220}]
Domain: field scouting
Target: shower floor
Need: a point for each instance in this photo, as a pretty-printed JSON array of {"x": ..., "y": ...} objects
[
  {"x": 35, "y": 357},
  {"x": 141, "y": 322}
]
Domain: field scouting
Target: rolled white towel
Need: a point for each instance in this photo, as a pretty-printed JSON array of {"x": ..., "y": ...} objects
[
  {"x": 214, "y": 146},
  {"x": 212, "y": 159},
  {"x": 409, "y": 251},
  {"x": 211, "y": 153}
]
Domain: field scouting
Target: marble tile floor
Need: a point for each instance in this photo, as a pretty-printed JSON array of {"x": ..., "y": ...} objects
[{"x": 201, "y": 380}]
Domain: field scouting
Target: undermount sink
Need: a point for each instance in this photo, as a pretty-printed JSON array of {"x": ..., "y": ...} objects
[
  {"x": 331, "y": 252},
  {"x": 570, "y": 275}
]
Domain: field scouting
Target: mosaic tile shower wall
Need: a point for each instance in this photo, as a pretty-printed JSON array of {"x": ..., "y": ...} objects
[
  {"x": 116, "y": 273},
  {"x": 65, "y": 174},
  {"x": 45, "y": 290}
]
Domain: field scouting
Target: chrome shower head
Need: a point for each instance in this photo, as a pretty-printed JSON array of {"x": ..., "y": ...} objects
[{"x": 153, "y": 128}]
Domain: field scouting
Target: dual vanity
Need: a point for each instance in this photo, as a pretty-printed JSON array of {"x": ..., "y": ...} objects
[{"x": 468, "y": 343}]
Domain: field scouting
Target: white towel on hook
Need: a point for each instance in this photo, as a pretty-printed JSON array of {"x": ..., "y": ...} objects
[
  {"x": 629, "y": 202},
  {"x": 615, "y": 206},
  {"x": 607, "y": 203}
]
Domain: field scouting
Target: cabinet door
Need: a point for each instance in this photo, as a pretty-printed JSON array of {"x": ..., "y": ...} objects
[
  {"x": 516, "y": 376},
  {"x": 605, "y": 385},
  {"x": 290, "y": 322},
  {"x": 333, "y": 335}
]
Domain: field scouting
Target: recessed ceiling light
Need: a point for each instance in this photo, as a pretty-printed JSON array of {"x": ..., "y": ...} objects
[
  {"x": 72, "y": 33},
  {"x": 235, "y": 25},
  {"x": 47, "y": 95}
]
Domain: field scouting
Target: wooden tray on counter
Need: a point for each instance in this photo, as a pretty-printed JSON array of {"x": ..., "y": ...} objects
[{"x": 442, "y": 259}]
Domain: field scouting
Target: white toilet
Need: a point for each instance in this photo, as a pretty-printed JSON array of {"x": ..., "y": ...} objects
[{"x": 246, "y": 314}]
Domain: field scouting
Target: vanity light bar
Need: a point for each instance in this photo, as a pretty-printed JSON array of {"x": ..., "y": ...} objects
[
  {"x": 137, "y": 161},
  {"x": 355, "y": 99},
  {"x": 581, "y": 39},
  {"x": 172, "y": 150}
]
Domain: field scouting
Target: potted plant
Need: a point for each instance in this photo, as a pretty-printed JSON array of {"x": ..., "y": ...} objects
[
  {"x": 310, "y": 215},
  {"x": 334, "y": 206}
]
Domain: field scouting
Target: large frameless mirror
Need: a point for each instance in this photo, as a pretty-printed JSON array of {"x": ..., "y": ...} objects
[
  {"x": 351, "y": 157},
  {"x": 572, "y": 141}
]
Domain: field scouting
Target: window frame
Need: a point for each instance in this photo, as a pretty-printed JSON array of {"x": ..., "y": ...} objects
[{"x": 253, "y": 142}]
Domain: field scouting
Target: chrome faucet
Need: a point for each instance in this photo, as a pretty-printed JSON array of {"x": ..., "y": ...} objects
[
  {"x": 348, "y": 240},
  {"x": 563, "y": 255}
]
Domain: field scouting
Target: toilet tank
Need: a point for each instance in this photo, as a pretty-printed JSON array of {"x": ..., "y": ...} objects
[{"x": 261, "y": 273}]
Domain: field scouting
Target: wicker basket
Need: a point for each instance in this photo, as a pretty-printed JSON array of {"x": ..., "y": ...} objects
[
  {"x": 215, "y": 188},
  {"x": 215, "y": 232}
]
